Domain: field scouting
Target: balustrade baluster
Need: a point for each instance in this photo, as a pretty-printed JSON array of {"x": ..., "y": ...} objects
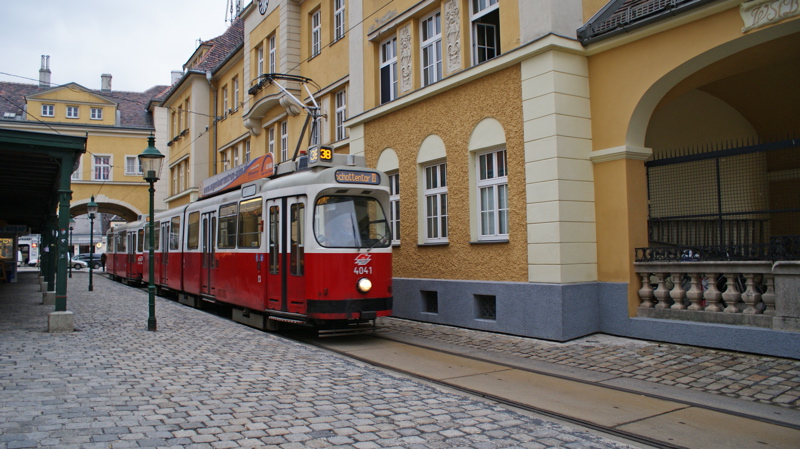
[
  {"x": 695, "y": 293},
  {"x": 751, "y": 296},
  {"x": 713, "y": 295},
  {"x": 769, "y": 296},
  {"x": 678, "y": 293},
  {"x": 646, "y": 292},
  {"x": 732, "y": 295},
  {"x": 662, "y": 293}
]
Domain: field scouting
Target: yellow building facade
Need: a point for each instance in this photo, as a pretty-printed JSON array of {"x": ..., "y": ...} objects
[{"x": 522, "y": 140}]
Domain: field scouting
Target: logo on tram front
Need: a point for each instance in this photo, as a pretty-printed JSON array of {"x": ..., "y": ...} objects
[{"x": 363, "y": 259}]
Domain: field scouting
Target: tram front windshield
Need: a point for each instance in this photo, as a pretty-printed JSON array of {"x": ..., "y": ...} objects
[{"x": 350, "y": 222}]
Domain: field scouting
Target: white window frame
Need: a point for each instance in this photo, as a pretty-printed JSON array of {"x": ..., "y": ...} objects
[
  {"x": 107, "y": 165},
  {"x": 246, "y": 151},
  {"x": 388, "y": 68},
  {"x": 76, "y": 175},
  {"x": 236, "y": 156},
  {"x": 260, "y": 60},
  {"x": 479, "y": 9},
  {"x": 341, "y": 114},
  {"x": 235, "y": 102},
  {"x": 133, "y": 166},
  {"x": 225, "y": 100},
  {"x": 273, "y": 59},
  {"x": 431, "y": 48},
  {"x": 394, "y": 206},
  {"x": 96, "y": 114},
  {"x": 315, "y": 136},
  {"x": 491, "y": 180},
  {"x": 182, "y": 175},
  {"x": 175, "y": 190},
  {"x": 271, "y": 140},
  {"x": 338, "y": 20},
  {"x": 73, "y": 112},
  {"x": 284, "y": 140},
  {"x": 48, "y": 110},
  {"x": 316, "y": 33},
  {"x": 434, "y": 177}
]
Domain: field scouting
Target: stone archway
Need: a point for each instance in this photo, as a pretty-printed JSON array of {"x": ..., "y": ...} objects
[{"x": 107, "y": 206}]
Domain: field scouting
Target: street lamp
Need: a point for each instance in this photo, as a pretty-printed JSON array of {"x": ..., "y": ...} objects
[
  {"x": 150, "y": 162},
  {"x": 92, "y": 209},
  {"x": 71, "y": 227}
]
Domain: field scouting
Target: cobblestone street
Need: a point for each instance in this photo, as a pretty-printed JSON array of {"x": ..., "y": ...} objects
[{"x": 202, "y": 381}]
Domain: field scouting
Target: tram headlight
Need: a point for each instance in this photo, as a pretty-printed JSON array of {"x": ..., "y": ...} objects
[{"x": 364, "y": 285}]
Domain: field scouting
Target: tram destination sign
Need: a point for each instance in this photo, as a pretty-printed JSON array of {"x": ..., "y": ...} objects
[{"x": 357, "y": 177}]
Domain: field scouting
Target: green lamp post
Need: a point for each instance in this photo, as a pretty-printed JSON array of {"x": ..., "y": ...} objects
[
  {"x": 92, "y": 209},
  {"x": 150, "y": 161}
]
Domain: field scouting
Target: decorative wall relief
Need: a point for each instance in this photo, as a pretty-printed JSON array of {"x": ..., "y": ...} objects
[
  {"x": 453, "y": 30},
  {"x": 405, "y": 58},
  {"x": 758, "y": 13}
]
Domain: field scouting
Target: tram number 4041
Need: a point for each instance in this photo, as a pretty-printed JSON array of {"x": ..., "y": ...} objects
[{"x": 362, "y": 270}]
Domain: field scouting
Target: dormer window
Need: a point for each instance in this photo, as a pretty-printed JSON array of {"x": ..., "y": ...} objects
[
  {"x": 97, "y": 114},
  {"x": 72, "y": 112},
  {"x": 48, "y": 110}
]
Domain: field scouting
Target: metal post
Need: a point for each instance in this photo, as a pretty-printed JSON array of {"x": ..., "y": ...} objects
[
  {"x": 70, "y": 249},
  {"x": 151, "y": 287},
  {"x": 91, "y": 250}
]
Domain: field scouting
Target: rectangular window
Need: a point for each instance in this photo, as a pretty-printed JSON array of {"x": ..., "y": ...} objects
[
  {"x": 76, "y": 175},
  {"x": 227, "y": 226},
  {"x": 389, "y": 70},
  {"x": 272, "y": 55},
  {"x": 246, "y": 151},
  {"x": 338, "y": 19},
  {"x": 394, "y": 206},
  {"x": 132, "y": 166},
  {"x": 297, "y": 256},
  {"x": 493, "y": 193},
  {"x": 316, "y": 33},
  {"x": 236, "y": 156},
  {"x": 250, "y": 223},
  {"x": 316, "y": 131},
  {"x": 225, "y": 101},
  {"x": 341, "y": 114},
  {"x": 260, "y": 60},
  {"x": 430, "y": 301},
  {"x": 431, "y": 49},
  {"x": 274, "y": 240},
  {"x": 235, "y": 99},
  {"x": 271, "y": 140},
  {"x": 181, "y": 177},
  {"x": 48, "y": 110},
  {"x": 175, "y": 180},
  {"x": 96, "y": 114},
  {"x": 140, "y": 242},
  {"x": 485, "y": 30},
  {"x": 486, "y": 306},
  {"x": 101, "y": 168},
  {"x": 436, "y": 203},
  {"x": 72, "y": 112},
  {"x": 193, "y": 231},
  {"x": 175, "y": 234},
  {"x": 284, "y": 140}
]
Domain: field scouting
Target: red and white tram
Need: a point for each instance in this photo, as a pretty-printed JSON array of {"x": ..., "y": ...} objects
[{"x": 306, "y": 242}]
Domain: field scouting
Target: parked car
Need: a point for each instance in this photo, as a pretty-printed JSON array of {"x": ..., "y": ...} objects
[
  {"x": 77, "y": 264},
  {"x": 86, "y": 256}
]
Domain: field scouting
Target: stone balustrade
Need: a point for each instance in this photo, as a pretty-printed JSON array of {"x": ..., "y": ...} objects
[{"x": 752, "y": 293}]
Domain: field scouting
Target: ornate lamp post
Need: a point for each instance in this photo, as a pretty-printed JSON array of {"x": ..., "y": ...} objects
[
  {"x": 71, "y": 227},
  {"x": 92, "y": 209},
  {"x": 150, "y": 161}
]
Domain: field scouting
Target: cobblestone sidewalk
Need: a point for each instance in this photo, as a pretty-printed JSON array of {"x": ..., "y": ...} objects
[
  {"x": 202, "y": 381},
  {"x": 748, "y": 377}
]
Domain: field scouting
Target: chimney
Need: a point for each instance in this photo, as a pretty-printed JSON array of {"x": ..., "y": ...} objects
[
  {"x": 176, "y": 76},
  {"x": 44, "y": 72},
  {"x": 105, "y": 82}
]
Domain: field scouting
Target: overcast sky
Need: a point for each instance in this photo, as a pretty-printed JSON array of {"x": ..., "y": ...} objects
[{"x": 138, "y": 42}]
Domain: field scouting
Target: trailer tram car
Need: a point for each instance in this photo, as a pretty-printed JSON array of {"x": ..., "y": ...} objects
[{"x": 304, "y": 242}]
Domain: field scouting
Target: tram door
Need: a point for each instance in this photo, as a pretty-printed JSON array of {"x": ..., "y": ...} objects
[
  {"x": 208, "y": 230},
  {"x": 286, "y": 246},
  {"x": 131, "y": 268},
  {"x": 164, "y": 243}
]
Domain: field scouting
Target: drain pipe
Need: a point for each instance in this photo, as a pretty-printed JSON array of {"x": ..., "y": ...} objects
[{"x": 214, "y": 124}]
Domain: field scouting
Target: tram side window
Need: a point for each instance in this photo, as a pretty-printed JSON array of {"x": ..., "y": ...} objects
[
  {"x": 157, "y": 236},
  {"x": 227, "y": 226},
  {"x": 249, "y": 223},
  {"x": 193, "y": 232},
  {"x": 274, "y": 246},
  {"x": 175, "y": 233},
  {"x": 122, "y": 240},
  {"x": 297, "y": 258},
  {"x": 139, "y": 244}
]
